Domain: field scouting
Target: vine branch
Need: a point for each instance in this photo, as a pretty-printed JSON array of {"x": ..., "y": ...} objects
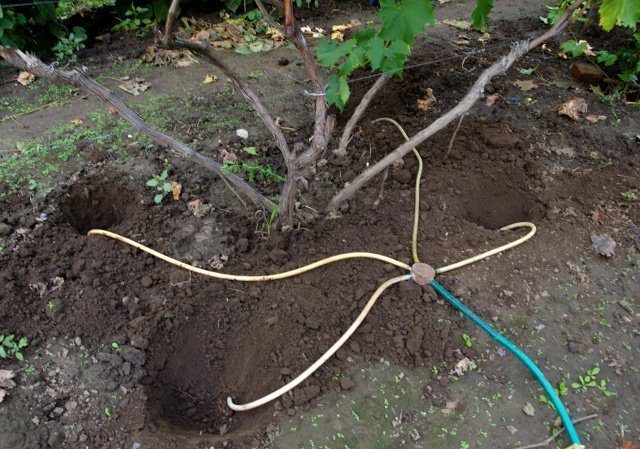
[
  {"x": 518, "y": 50},
  {"x": 357, "y": 114},
  {"x": 75, "y": 77}
]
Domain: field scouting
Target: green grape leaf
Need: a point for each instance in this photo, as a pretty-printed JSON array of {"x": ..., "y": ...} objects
[
  {"x": 364, "y": 35},
  {"x": 626, "y": 12},
  {"x": 397, "y": 55},
  {"x": 405, "y": 20},
  {"x": 152, "y": 182},
  {"x": 330, "y": 52},
  {"x": 158, "y": 198},
  {"x": 387, "y": 58},
  {"x": 355, "y": 59},
  {"x": 575, "y": 48},
  {"x": 479, "y": 15},
  {"x": 337, "y": 91}
]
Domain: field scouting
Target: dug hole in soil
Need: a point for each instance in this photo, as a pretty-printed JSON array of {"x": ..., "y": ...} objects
[{"x": 183, "y": 343}]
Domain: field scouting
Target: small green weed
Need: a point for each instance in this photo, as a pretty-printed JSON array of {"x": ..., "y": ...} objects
[
  {"x": 137, "y": 19},
  {"x": 116, "y": 347},
  {"x": 630, "y": 195},
  {"x": 589, "y": 380},
  {"x": 9, "y": 347},
  {"x": 272, "y": 218},
  {"x": 161, "y": 185},
  {"x": 253, "y": 169},
  {"x": 68, "y": 46},
  {"x": 467, "y": 340}
]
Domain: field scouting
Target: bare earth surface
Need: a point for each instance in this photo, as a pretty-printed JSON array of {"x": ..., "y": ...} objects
[{"x": 129, "y": 352}]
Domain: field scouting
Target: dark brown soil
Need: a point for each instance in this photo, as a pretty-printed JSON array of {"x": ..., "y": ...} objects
[{"x": 189, "y": 341}]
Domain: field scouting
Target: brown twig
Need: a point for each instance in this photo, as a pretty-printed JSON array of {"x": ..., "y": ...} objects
[
  {"x": 552, "y": 438},
  {"x": 181, "y": 391},
  {"x": 32, "y": 110},
  {"x": 357, "y": 114},
  {"x": 453, "y": 137},
  {"x": 519, "y": 49},
  {"x": 77, "y": 78}
]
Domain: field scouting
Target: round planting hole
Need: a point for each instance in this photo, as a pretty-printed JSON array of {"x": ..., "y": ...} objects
[
  {"x": 95, "y": 205},
  {"x": 496, "y": 202}
]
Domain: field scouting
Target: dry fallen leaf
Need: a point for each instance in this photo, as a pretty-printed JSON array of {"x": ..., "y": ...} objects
[
  {"x": 275, "y": 35},
  {"x": 491, "y": 99},
  {"x": 315, "y": 33},
  {"x": 176, "y": 190},
  {"x": 209, "y": 79},
  {"x": 598, "y": 216},
  {"x": 202, "y": 35},
  {"x": 461, "y": 24},
  {"x": 135, "y": 86},
  {"x": 76, "y": 121},
  {"x": 6, "y": 376},
  {"x": 595, "y": 118},
  {"x": 26, "y": 78},
  {"x": 628, "y": 444},
  {"x": 526, "y": 85},
  {"x": 337, "y": 36},
  {"x": 227, "y": 156},
  {"x": 573, "y": 108},
  {"x": 424, "y": 104},
  {"x": 346, "y": 26},
  {"x": 194, "y": 205},
  {"x": 112, "y": 110}
]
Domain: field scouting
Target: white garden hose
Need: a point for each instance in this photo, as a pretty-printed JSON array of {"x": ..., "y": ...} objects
[
  {"x": 318, "y": 363},
  {"x": 497, "y": 250}
]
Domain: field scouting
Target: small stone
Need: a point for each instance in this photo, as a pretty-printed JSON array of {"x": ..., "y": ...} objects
[
  {"x": 512, "y": 430},
  {"x": 242, "y": 245},
  {"x": 71, "y": 405},
  {"x": 111, "y": 385},
  {"x": 224, "y": 429},
  {"x": 346, "y": 383},
  {"x": 133, "y": 355},
  {"x": 528, "y": 409},
  {"x": 242, "y": 133},
  {"x": 78, "y": 341},
  {"x": 305, "y": 394},
  {"x": 147, "y": 281},
  {"x": 5, "y": 229},
  {"x": 139, "y": 342}
]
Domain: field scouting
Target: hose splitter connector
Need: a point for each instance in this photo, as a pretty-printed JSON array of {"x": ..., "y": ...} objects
[{"x": 422, "y": 273}]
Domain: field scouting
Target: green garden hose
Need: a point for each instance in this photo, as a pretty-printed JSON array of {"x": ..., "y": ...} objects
[{"x": 497, "y": 336}]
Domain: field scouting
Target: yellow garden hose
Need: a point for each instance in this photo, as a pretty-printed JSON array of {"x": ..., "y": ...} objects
[
  {"x": 244, "y": 278},
  {"x": 416, "y": 204}
]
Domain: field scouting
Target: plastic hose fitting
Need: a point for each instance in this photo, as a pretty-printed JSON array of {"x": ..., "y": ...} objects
[{"x": 422, "y": 273}]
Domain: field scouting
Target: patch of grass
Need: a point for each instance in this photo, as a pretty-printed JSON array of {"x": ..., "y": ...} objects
[{"x": 52, "y": 94}]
